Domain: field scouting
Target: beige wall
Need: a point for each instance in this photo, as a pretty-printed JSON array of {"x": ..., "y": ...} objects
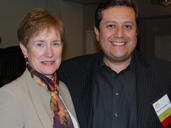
[
  {"x": 72, "y": 15},
  {"x": 88, "y": 21},
  {"x": 13, "y": 11}
]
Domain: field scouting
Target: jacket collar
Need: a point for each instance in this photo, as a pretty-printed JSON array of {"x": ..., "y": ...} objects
[
  {"x": 39, "y": 97},
  {"x": 144, "y": 81},
  {"x": 63, "y": 91}
]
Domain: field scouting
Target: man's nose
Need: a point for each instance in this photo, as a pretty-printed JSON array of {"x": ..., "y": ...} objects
[{"x": 119, "y": 32}]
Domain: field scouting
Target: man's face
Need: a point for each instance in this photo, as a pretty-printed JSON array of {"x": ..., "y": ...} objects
[{"x": 118, "y": 34}]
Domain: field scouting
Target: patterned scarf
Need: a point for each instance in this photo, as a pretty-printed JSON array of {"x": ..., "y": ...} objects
[{"x": 59, "y": 113}]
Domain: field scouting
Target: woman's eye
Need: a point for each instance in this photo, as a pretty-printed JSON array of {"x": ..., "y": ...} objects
[
  {"x": 39, "y": 44},
  {"x": 56, "y": 43}
]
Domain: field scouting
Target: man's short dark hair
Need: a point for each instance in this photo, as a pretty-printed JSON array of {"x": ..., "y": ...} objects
[{"x": 105, "y": 4}]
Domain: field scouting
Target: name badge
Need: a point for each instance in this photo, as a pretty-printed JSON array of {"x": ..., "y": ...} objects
[{"x": 163, "y": 110}]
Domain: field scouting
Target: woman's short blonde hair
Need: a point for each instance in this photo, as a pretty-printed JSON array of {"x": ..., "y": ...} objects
[{"x": 37, "y": 20}]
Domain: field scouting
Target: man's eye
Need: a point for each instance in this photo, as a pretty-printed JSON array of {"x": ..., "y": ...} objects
[
  {"x": 128, "y": 26},
  {"x": 110, "y": 26}
]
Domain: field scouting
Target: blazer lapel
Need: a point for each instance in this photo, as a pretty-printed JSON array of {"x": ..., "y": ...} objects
[
  {"x": 63, "y": 90},
  {"x": 144, "y": 82},
  {"x": 88, "y": 78},
  {"x": 87, "y": 97},
  {"x": 40, "y": 99}
]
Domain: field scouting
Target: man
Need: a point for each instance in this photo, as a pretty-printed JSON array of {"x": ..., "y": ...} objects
[{"x": 117, "y": 87}]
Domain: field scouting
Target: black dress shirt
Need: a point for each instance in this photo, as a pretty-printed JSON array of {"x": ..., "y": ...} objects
[{"x": 114, "y": 97}]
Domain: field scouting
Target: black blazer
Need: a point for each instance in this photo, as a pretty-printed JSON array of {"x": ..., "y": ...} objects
[{"x": 153, "y": 80}]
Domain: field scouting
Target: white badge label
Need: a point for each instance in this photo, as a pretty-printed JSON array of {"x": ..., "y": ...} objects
[{"x": 163, "y": 110}]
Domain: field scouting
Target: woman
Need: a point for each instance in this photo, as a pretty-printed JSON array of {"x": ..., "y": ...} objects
[{"x": 37, "y": 99}]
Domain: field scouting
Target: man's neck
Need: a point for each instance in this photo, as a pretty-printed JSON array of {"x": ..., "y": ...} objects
[{"x": 117, "y": 66}]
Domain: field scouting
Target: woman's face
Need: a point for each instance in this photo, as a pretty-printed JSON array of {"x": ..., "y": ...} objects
[{"x": 44, "y": 51}]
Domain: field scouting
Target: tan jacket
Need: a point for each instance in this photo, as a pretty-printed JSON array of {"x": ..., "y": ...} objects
[{"x": 24, "y": 104}]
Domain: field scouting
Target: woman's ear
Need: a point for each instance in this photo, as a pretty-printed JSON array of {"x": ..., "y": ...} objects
[{"x": 23, "y": 49}]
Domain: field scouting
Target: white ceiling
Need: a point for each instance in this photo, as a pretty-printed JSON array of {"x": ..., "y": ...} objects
[{"x": 84, "y": 1}]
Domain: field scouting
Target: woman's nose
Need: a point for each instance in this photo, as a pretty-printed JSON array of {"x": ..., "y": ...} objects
[{"x": 49, "y": 52}]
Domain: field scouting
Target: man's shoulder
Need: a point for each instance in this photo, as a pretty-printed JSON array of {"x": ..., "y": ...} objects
[
  {"x": 154, "y": 61},
  {"x": 73, "y": 68}
]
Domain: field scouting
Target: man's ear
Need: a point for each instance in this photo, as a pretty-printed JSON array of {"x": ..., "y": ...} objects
[
  {"x": 97, "y": 33},
  {"x": 137, "y": 32},
  {"x": 23, "y": 49}
]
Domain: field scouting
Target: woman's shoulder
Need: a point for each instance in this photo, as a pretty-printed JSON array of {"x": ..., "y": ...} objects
[{"x": 16, "y": 87}]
